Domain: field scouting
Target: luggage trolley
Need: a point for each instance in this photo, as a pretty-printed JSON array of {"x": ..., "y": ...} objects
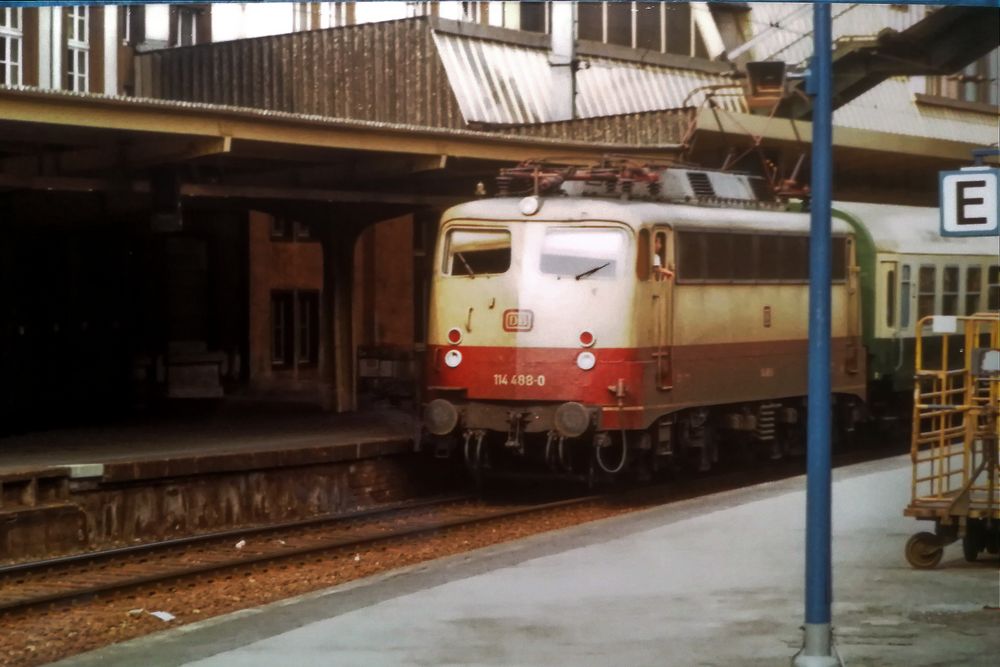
[{"x": 954, "y": 446}]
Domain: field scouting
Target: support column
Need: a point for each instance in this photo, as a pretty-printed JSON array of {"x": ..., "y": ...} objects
[
  {"x": 337, "y": 361},
  {"x": 817, "y": 649}
]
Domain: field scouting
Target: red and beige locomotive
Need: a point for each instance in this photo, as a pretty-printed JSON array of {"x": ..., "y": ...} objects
[{"x": 619, "y": 318}]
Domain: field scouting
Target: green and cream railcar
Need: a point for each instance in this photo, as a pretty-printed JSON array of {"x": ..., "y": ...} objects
[
  {"x": 908, "y": 270},
  {"x": 572, "y": 329}
]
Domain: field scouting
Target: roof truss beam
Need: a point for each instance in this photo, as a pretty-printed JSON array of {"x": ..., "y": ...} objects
[{"x": 122, "y": 157}]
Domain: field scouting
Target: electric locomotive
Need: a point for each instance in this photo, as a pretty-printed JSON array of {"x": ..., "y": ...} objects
[{"x": 623, "y": 319}]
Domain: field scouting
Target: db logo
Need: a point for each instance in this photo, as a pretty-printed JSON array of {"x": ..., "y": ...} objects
[{"x": 518, "y": 320}]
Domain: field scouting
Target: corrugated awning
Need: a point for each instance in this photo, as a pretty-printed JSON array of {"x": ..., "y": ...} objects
[{"x": 509, "y": 84}]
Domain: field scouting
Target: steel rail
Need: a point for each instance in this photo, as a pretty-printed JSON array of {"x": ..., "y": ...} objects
[
  {"x": 167, "y": 574},
  {"x": 147, "y": 547}
]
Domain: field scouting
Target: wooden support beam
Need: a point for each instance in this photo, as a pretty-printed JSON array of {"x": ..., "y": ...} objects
[
  {"x": 337, "y": 360},
  {"x": 124, "y": 157},
  {"x": 41, "y": 108},
  {"x": 224, "y": 191},
  {"x": 316, "y": 194}
]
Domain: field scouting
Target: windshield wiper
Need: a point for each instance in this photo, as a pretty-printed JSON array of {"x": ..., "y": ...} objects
[
  {"x": 593, "y": 270},
  {"x": 472, "y": 274}
]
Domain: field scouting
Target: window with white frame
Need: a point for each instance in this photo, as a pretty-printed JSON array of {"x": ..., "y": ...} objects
[
  {"x": 186, "y": 28},
  {"x": 418, "y": 9},
  {"x": 655, "y": 26},
  {"x": 11, "y": 46},
  {"x": 316, "y": 15},
  {"x": 977, "y": 82},
  {"x": 77, "y": 48}
]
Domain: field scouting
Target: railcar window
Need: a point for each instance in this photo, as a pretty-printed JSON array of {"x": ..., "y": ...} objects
[
  {"x": 993, "y": 297},
  {"x": 475, "y": 252},
  {"x": 890, "y": 298},
  {"x": 949, "y": 291},
  {"x": 582, "y": 252},
  {"x": 973, "y": 288},
  {"x": 904, "y": 297},
  {"x": 925, "y": 291}
]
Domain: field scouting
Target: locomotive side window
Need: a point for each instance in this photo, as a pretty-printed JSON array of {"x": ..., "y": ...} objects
[
  {"x": 582, "y": 252},
  {"x": 973, "y": 288},
  {"x": 949, "y": 291},
  {"x": 993, "y": 296},
  {"x": 475, "y": 252},
  {"x": 925, "y": 291},
  {"x": 744, "y": 257},
  {"x": 771, "y": 258},
  {"x": 729, "y": 257},
  {"x": 719, "y": 255},
  {"x": 691, "y": 255},
  {"x": 904, "y": 297},
  {"x": 795, "y": 258}
]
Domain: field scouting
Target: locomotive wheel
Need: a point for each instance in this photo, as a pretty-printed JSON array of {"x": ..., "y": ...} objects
[{"x": 924, "y": 551}]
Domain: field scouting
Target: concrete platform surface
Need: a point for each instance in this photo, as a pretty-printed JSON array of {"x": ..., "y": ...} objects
[
  {"x": 223, "y": 431},
  {"x": 710, "y": 581}
]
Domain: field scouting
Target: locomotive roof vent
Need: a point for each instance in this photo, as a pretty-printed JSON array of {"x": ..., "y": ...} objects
[{"x": 700, "y": 184}]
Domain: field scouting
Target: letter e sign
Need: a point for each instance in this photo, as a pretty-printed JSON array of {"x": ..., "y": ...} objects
[{"x": 969, "y": 204}]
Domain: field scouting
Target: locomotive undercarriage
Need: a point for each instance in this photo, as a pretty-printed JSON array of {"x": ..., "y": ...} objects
[{"x": 539, "y": 441}]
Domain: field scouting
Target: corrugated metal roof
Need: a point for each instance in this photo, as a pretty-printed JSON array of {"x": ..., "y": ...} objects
[
  {"x": 783, "y": 30},
  {"x": 500, "y": 83},
  {"x": 890, "y": 107}
]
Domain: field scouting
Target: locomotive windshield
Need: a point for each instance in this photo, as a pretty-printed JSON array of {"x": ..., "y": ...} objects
[
  {"x": 582, "y": 252},
  {"x": 476, "y": 252}
]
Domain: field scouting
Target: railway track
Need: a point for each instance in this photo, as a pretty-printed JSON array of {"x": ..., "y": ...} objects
[
  {"x": 82, "y": 576},
  {"x": 66, "y": 580}
]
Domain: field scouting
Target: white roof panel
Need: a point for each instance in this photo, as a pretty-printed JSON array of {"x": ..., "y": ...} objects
[{"x": 914, "y": 230}]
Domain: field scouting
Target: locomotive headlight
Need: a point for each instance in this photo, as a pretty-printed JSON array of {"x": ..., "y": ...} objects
[
  {"x": 587, "y": 338},
  {"x": 455, "y": 336},
  {"x": 452, "y": 358},
  {"x": 584, "y": 361}
]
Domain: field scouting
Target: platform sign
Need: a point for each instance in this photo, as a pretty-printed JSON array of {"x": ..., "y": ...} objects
[{"x": 969, "y": 203}]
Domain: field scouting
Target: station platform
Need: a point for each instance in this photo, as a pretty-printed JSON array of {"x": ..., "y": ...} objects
[
  {"x": 201, "y": 469},
  {"x": 711, "y": 581},
  {"x": 197, "y": 441}
]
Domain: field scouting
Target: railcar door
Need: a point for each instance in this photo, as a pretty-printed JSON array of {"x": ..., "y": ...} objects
[{"x": 663, "y": 281}]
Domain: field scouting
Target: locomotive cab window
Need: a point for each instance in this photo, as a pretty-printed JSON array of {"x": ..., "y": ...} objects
[
  {"x": 582, "y": 252},
  {"x": 476, "y": 252},
  {"x": 643, "y": 255}
]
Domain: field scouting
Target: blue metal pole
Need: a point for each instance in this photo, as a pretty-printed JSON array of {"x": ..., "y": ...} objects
[{"x": 818, "y": 646}]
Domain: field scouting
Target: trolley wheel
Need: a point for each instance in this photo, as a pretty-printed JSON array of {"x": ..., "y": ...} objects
[
  {"x": 973, "y": 542},
  {"x": 924, "y": 551}
]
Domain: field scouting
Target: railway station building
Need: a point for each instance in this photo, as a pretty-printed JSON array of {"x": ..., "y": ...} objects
[{"x": 227, "y": 202}]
